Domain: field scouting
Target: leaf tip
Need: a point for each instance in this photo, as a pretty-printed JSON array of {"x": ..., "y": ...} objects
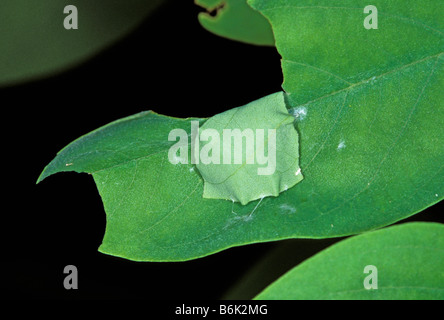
[{"x": 45, "y": 173}]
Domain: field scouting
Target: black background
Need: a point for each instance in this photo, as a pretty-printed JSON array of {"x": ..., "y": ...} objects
[{"x": 174, "y": 67}]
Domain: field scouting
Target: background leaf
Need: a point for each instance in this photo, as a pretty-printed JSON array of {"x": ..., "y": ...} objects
[
  {"x": 408, "y": 259},
  {"x": 235, "y": 20},
  {"x": 34, "y": 42}
]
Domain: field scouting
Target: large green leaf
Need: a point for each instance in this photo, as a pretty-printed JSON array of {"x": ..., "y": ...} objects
[
  {"x": 370, "y": 152},
  {"x": 235, "y": 20},
  {"x": 370, "y": 105},
  {"x": 34, "y": 42},
  {"x": 408, "y": 261}
]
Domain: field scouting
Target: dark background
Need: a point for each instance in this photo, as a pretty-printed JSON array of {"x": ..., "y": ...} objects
[{"x": 174, "y": 67}]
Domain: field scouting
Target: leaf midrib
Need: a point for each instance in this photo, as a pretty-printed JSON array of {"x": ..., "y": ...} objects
[{"x": 363, "y": 81}]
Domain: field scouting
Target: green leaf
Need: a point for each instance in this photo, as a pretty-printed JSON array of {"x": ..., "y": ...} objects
[
  {"x": 261, "y": 129},
  {"x": 370, "y": 106},
  {"x": 370, "y": 152},
  {"x": 34, "y": 42},
  {"x": 156, "y": 212},
  {"x": 408, "y": 260},
  {"x": 326, "y": 50},
  {"x": 235, "y": 20}
]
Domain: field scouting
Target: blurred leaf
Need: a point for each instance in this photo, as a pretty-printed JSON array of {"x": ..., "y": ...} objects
[
  {"x": 234, "y": 19},
  {"x": 408, "y": 260},
  {"x": 34, "y": 42}
]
